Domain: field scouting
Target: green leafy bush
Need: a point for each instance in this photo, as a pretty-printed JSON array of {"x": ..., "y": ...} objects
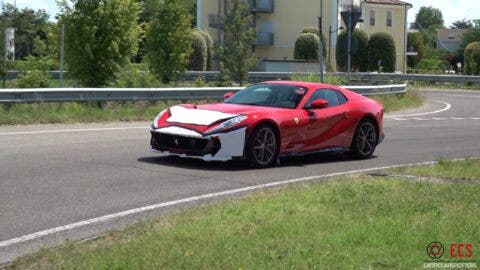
[
  {"x": 33, "y": 79},
  {"x": 431, "y": 64},
  {"x": 416, "y": 43},
  {"x": 133, "y": 77},
  {"x": 472, "y": 59},
  {"x": 199, "y": 53},
  {"x": 359, "y": 57},
  {"x": 306, "y": 47},
  {"x": 210, "y": 48},
  {"x": 381, "y": 53}
]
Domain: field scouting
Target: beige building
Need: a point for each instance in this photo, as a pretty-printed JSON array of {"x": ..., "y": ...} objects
[{"x": 278, "y": 23}]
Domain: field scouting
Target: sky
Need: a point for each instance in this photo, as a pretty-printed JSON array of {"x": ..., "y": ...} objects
[{"x": 452, "y": 9}]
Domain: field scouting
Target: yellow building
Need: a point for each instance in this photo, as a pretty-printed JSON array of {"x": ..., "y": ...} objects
[
  {"x": 389, "y": 16},
  {"x": 278, "y": 23}
]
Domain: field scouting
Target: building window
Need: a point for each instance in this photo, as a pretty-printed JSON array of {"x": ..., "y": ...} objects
[
  {"x": 372, "y": 17},
  {"x": 389, "y": 19}
]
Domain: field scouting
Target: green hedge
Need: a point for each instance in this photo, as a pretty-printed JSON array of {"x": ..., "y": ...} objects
[
  {"x": 381, "y": 53},
  {"x": 306, "y": 47},
  {"x": 359, "y": 58},
  {"x": 199, "y": 53},
  {"x": 210, "y": 48},
  {"x": 472, "y": 59}
]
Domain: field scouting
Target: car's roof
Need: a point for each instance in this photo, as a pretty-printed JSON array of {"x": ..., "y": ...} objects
[{"x": 309, "y": 85}]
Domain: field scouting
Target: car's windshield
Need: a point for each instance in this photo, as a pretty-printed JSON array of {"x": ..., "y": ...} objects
[{"x": 270, "y": 95}]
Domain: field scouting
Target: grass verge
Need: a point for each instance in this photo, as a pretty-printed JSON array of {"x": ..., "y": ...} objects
[
  {"x": 447, "y": 169},
  {"x": 392, "y": 103},
  {"x": 357, "y": 222}
]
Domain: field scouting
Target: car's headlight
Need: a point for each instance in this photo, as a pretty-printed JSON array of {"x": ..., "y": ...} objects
[
  {"x": 155, "y": 121},
  {"x": 228, "y": 124}
]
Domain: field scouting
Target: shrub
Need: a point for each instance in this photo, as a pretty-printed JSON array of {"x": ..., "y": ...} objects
[
  {"x": 359, "y": 58},
  {"x": 210, "y": 47},
  {"x": 306, "y": 47},
  {"x": 133, "y": 77},
  {"x": 416, "y": 43},
  {"x": 313, "y": 30},
  {"x": 198, "y": 55},
  {"x": 431, "y": 64},
  {"x": 472, "y": 59},
  {"x": 381, "y": 53},
  {"x": 33, "y": 79}
]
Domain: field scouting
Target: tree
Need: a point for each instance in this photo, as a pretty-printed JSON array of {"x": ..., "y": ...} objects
[
  {"x": 472, "y": 35},
  {"x": 428, "y": 20},
  {"x": 472, "y": 59},
  {"x": 30, "y": 25},
  {"x": 236, "y": 54},
  {"x": 359, "y": 57},
  {"x": 381, "y": 53},
  {"x": 199, "y": 53},
  {"x": 462, "y": 24},
  {"x": 100, "y": 37},
  {"x": 168, "y": 40},
  {"x": 415, "y": 43}
]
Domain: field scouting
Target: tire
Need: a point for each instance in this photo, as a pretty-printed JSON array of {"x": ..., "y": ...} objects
[
  {"x": 262, "y": 147},
  {"x": 365, "y": 139}
]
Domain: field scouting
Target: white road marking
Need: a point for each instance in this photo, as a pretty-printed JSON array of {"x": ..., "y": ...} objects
[
  {"x": 434, "y": 118},
  {"x": 446, "y": 108},
  {"x": 130, "y": 212},
  {"x": 420, "y": 119},
  {"x": 69, "y": 130}
]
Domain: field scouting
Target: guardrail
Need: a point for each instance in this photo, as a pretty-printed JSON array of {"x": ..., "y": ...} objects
[
  {"x": 265, "y": 76},
  {"x": 149, "y": 94}
]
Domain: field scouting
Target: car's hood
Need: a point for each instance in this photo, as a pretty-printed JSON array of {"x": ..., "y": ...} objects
[{"x": 208, "y": 114}]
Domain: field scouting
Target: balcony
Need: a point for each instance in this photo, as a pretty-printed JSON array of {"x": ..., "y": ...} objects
[
  {"x": 261, "y": 6},
  {"x": 215, "y": 21},
  {"x": 265, "y": 39}
]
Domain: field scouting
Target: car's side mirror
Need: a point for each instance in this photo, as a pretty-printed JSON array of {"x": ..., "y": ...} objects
[
  {"x": 319, "y": 104},
  {"x": 228, "y": 95}
]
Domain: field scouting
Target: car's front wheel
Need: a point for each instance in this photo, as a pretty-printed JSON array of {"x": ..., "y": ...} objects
[
  {"x": 365, "y": 139},
  {"x": 262, "y": 147}
]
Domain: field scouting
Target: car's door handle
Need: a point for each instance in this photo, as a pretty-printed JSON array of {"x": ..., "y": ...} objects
[{"x": 346, "y": 115}]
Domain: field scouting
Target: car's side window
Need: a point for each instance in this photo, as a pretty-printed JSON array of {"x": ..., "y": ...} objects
[
  {"x": 341, "y": 97},
  {"x": 333, "y": 97}
]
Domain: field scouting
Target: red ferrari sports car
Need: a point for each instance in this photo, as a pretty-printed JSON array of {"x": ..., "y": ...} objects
[{"x": 271, "y": 119}]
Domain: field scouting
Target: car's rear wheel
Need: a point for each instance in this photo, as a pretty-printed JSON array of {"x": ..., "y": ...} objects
[
  {"x": 262, "y": 147},
  {"x": 365, "y": 139}
]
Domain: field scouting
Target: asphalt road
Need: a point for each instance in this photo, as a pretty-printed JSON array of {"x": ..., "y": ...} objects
[{"x": 73, "y": 173}]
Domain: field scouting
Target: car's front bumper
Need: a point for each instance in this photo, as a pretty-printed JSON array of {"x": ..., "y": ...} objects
[{"x": 187, "y": 143}]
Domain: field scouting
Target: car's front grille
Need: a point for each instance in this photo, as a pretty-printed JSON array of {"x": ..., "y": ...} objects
[
  {"x": 187, "y": 145},
  {"x": 179, "y": 142}
]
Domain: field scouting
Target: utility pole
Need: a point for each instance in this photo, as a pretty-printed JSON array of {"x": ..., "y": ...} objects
[
  {"x": 320, "y": 45},
  {"x": 62, "y": 53},
  {"x": 349, "y": 43}
]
